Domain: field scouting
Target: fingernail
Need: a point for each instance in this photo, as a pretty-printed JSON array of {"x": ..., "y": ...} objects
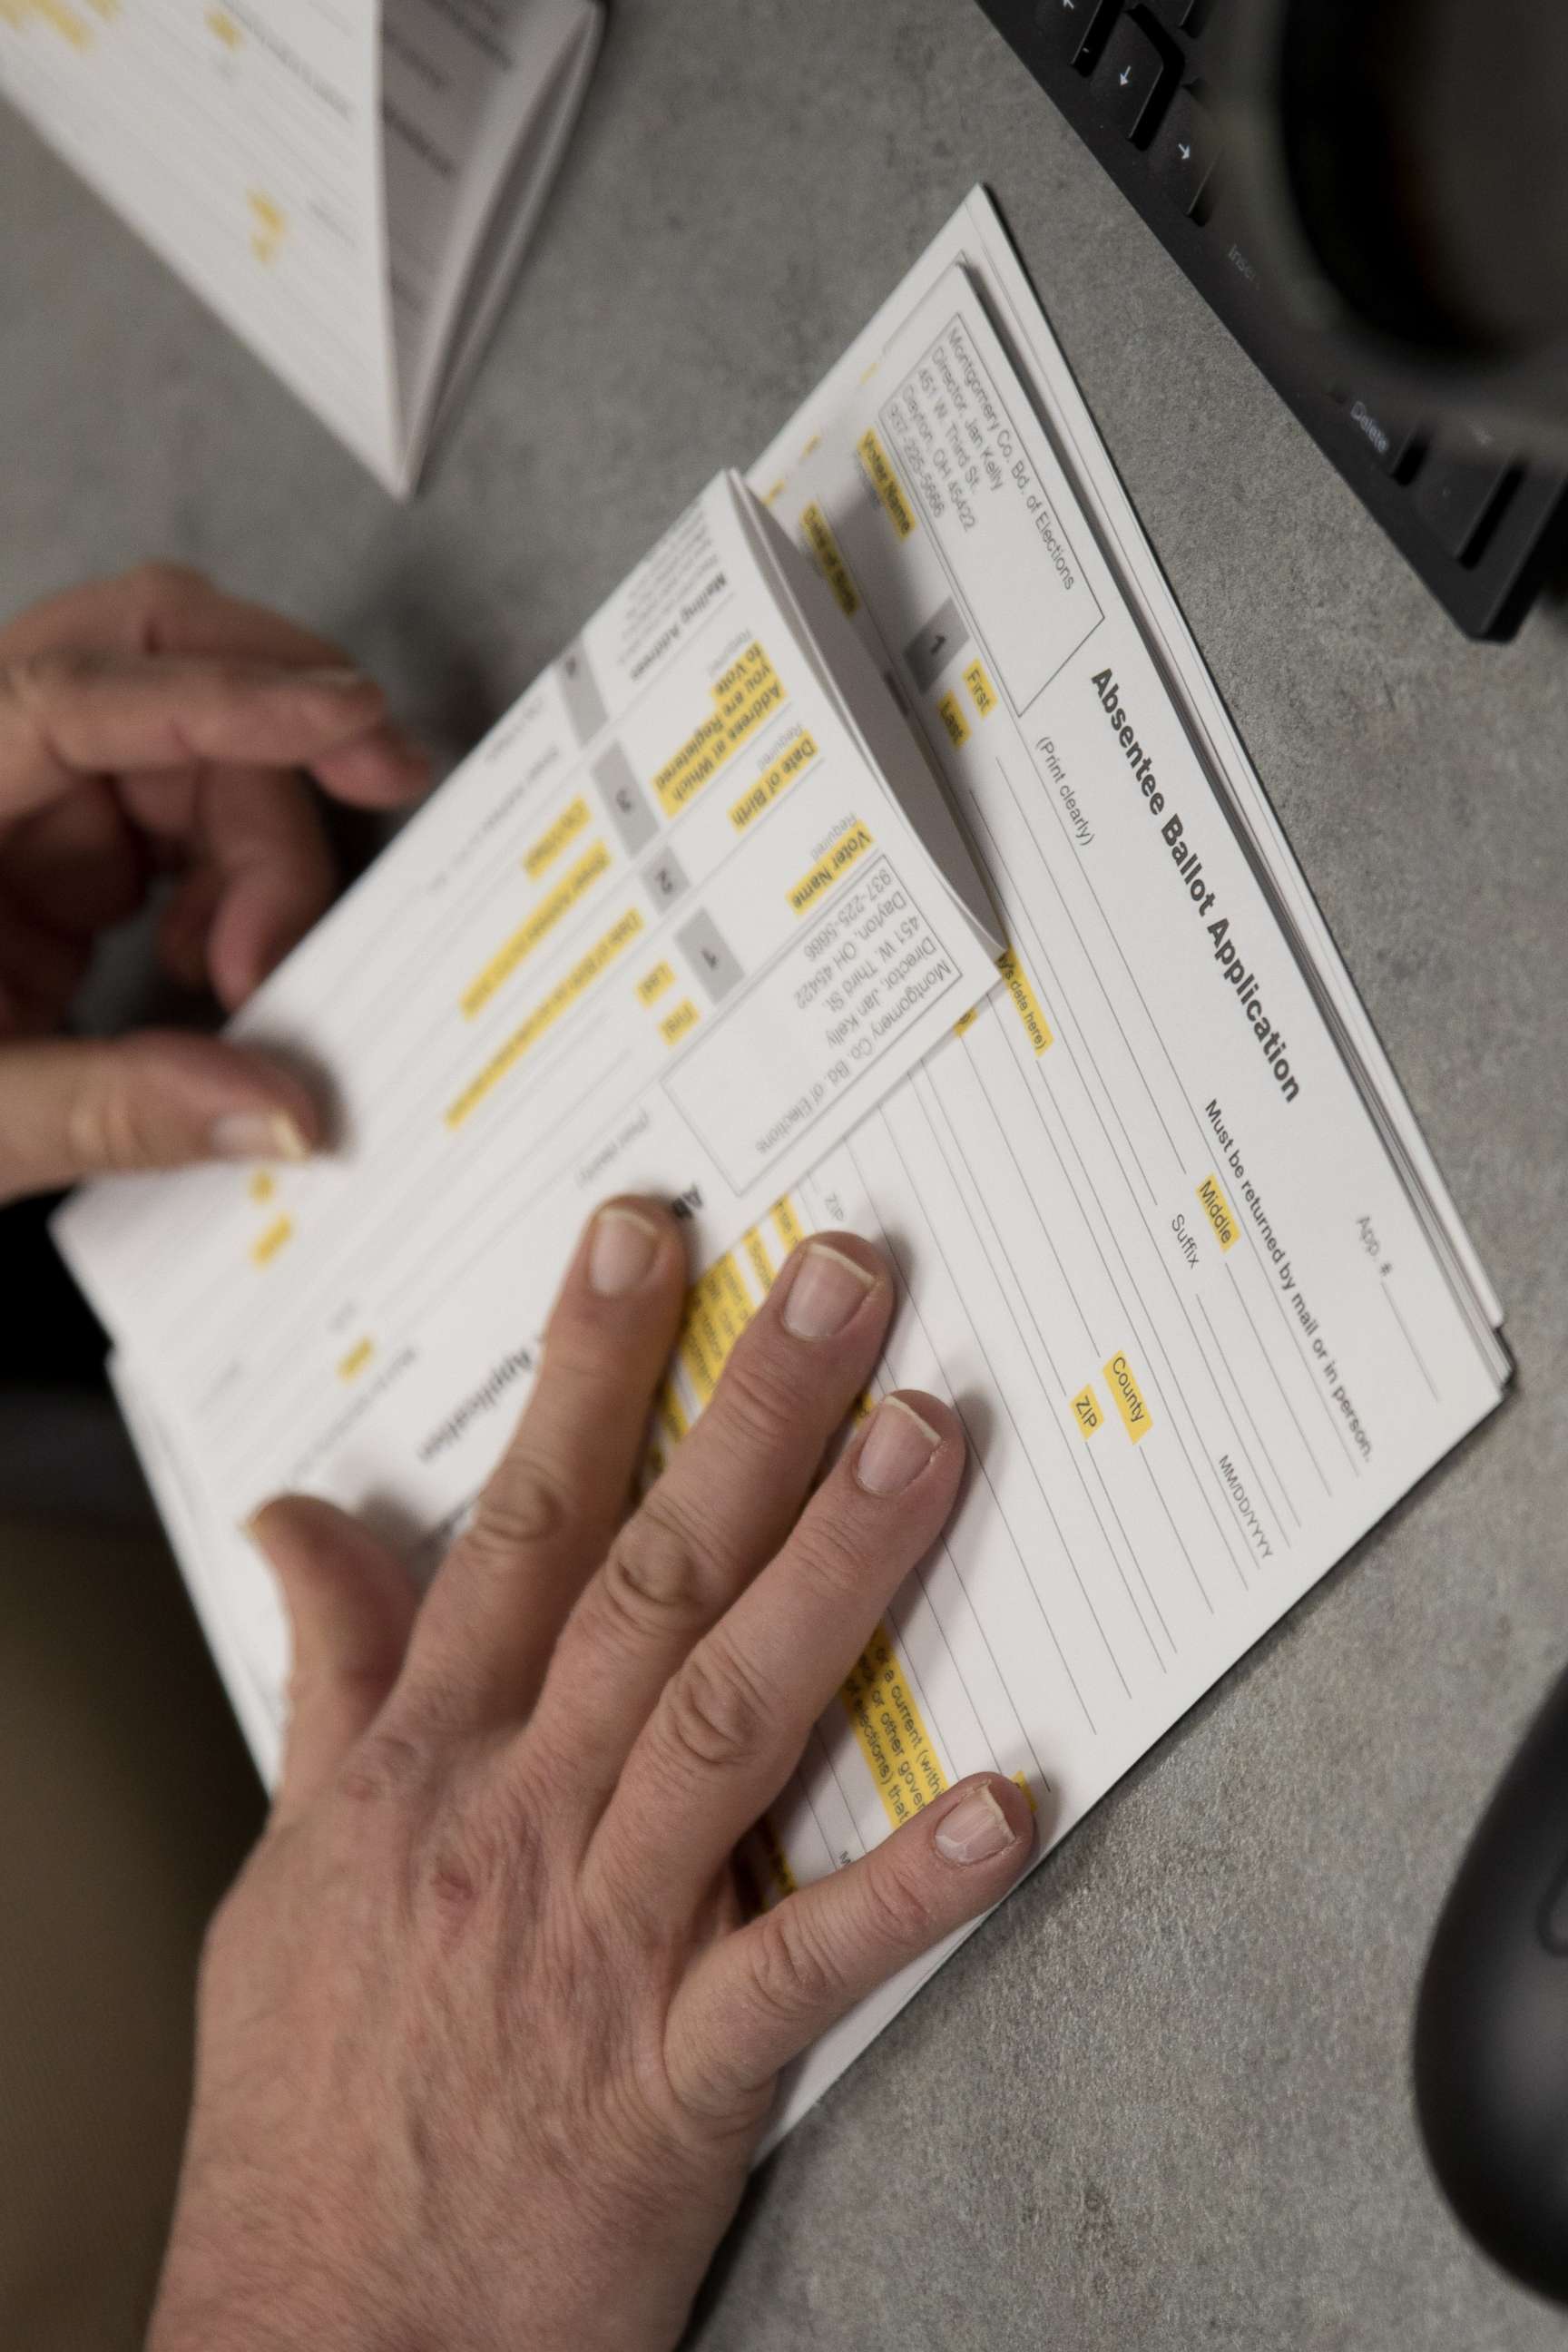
[
  {"x": 898, "y": 1446},
  {"x": 975, "y": 1831},
  {"x": 621, "y": 1252},
  {"x": 826, "y": 1292},
  {"x": 258, "y": 1135}
]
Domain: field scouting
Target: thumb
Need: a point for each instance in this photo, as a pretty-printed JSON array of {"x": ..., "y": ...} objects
[
  {"x": 350, "y": 1606},
  {"x": 160, "y": 1098}
]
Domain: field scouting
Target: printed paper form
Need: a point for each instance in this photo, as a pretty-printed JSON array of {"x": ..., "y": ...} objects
[
  {"x": 1052, "y": 1632},
  {"x": 1155, "y": 1250},
  {"x": 670, "y": 929},
  {"x": 472, "y": 93},
  {"x": 240, "y": 138},
  {"x": 348, "y": 186}
]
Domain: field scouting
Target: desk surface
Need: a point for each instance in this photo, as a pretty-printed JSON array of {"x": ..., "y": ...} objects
[{"x": 1161, "y": 2102}]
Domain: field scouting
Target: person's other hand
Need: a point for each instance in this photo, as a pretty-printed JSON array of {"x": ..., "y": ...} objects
[
  {"x": 150, "y": 724},
  {"x": 485, "y": 2038}
]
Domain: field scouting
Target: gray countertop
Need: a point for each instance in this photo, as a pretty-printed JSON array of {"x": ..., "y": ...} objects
[{"x": 1161, "y": 2101}]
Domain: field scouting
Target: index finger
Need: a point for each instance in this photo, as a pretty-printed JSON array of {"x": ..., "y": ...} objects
[
  {"x": 66, "y": 716},
  {"x": 163, "y": 608},
  {"x": 170, "y": 609}
]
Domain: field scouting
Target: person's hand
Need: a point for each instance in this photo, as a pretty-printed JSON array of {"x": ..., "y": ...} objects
[
  {"x": 485, "y": 2039},
  {"x": 150, "y": 724}
]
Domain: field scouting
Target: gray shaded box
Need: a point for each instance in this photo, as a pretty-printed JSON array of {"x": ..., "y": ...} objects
[
  {"x": 665, "y": 880},
  {"x": 711, "y": 957},
  {"x": 580, "y": 691},
  {"x": 931, "y": 649},
  {"x": 624, "y": 799}
]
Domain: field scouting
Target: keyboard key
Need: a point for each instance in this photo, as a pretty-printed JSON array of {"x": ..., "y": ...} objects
[
  {"x": 1126, "y": 82},
  {"x": 1070, "y": 26},
  {"x": 1177, "y": 14},
  {"x": 1394, "y": 445},
  {"x": 1225, "y": 226},
  {"x": 1183, "y": 151},
  {"x": 1457, "y": 493}
]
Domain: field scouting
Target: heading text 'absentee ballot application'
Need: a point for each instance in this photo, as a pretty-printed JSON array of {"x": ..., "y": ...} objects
[{"x": 1168, "y": 1236}]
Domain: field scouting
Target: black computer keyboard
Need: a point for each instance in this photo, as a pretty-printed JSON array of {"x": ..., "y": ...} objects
[{"x": 1479, "y": 524}]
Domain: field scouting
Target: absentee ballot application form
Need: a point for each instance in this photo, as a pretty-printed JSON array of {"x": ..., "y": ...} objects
[
  {"x": 1192, "y": 1283},
  {"x": 1169, "y": 1239}
]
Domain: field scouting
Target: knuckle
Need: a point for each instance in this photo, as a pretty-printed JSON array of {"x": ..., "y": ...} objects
[
  {"x": 828, "y": 1554},
  {"x": 790, "y": 1980},
  {"x": 356, "y": 1681},
  {"x": 463, "y": 1861},
  {"x": 480, "y": 1846},
  {"x": 655, "y": 1576},
  {"x": 106, "y": 1124},
  {"x": 759, "y": 1394},
  {"x": 383, "y": 1771},
  {"x": 524, "y": 1508},
  {"x": 899, "y": 1914},
  {"x": 716, "y": 1716}
]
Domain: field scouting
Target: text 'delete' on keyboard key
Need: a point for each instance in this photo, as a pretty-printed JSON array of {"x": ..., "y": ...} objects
[{"x": 1391, "y": 442}]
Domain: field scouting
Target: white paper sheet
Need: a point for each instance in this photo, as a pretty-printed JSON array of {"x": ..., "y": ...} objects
[{"x": 348, "y": 186}]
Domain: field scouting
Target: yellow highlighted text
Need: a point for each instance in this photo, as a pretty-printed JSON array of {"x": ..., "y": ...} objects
[
  {"x": 887, "y": 1723},
  {"x": 747, "y": 694},
  {"x": 1086, "y": 1410},
  {"x": 827, "y": 870},
  {"x": 265, "y": 1249},
  {"x": 573, "y": 885},
  {"x": 1218, "y": 1210},
  {"x": 1129, "y": 1399},
  {"x": 886, "y": 483},
  {"x": 267, "y": 223},
  {"x": 1036, "y": 1026},
  {"x": 757, "y": 1258},
  {"x": 786, "y": 1223},
  {"x": 830, "y": 560},
  {"x": 778, "y": 779},
  {"x": 678, "y": 1024},
  {"x": 982, "y": 693},
  {"x": 555, "y": 837},
  {"x": 561, "y": 997}
]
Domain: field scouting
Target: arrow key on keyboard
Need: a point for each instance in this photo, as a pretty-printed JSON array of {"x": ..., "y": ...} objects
[
  {"x": 1126, "y": 82},
  {"x": 1071, "y": 28},
  {"x": 1183, "y": 151}
]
